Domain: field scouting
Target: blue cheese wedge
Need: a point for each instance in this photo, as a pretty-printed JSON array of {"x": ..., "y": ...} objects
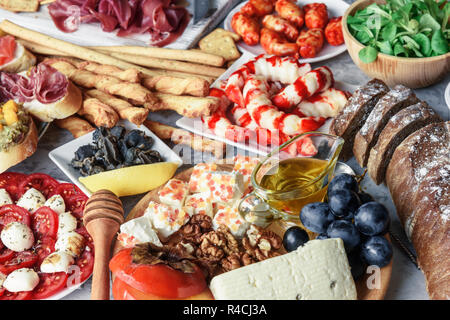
[{"x": 319, "y": 270}]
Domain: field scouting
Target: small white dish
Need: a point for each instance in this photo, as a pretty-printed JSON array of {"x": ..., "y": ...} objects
[
  {"x": 336, "y": 8},
  {"x": 447, "y": 95},
  {"x": 63, "y": 155}
]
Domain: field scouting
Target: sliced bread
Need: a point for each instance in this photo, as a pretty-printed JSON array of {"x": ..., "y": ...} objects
[
  {"x": 420, "y": 152},
  {"x": 395, "y": 100},
  {"x": 396, "y": 130},
  {"x": 355, "y": 113}
]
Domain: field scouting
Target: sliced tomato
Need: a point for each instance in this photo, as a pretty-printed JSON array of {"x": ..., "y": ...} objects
[
  {"x": 6, "y": 254},
  {"x": 86, "y": 264},
  {"x": 44, "y": 247},
  {"x": 2, "y": 291},
  {"x": 7, "y": 49},
  {"x": 67, "y": 190},
  {"x": 11, "y": 213},
  {"x": 44, "y": 223},
  {"x": 89, "y": 242},
  {"x": 39, "y": 181},
  {"x": 24, "y": 259},
  {"x": 76, "y": 204},
  {"x": 159, "y": 280},
  {"x": 23, "y": 295},
  {"x": 10, "y": 182},
  {"x": 49, "y": 284}
]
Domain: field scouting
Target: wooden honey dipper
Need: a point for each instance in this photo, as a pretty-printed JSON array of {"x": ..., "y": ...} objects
[{"x": 102, "y": 217}]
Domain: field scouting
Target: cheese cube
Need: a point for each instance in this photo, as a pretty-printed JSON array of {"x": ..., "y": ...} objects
[
  {"x": 225, "y": 187},
  {"x": 199, "y": 203},
  {"x": 245, "y": 166},
  {"x": 197, "y": 172},
  {"x": 319, "y": 270},
  {"x": 138, "y": 230},
  {"x": 166, "y": 219},
  {"x": 174, "y": 193},
  {"x": 230, "y": 217}
]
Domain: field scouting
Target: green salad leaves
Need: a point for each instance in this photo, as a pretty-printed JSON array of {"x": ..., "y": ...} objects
[{"x": 402, "y": 28}]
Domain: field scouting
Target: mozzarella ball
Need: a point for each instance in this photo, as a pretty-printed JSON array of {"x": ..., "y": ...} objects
[
  {"x": 70, "y": 242},
  {"x": 57, "y": 262},
  {"x": 17, "y": 236},
  {"x": 5, "y": 198},
  {"x": 56, "y": 203},
  {"x": 31, "y": 200},
  {"x": 24, "y": 279},
  {"x": 67, "y": 223}
]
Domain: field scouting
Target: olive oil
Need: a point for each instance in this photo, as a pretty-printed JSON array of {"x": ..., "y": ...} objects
[{"x": 304, "y": 177}]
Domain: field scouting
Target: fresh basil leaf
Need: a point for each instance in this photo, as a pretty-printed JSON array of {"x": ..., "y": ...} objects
[
  {"x": 363, "y": 37},
  {"x": 424, "y": 43},
  {"x": 368, "y": 54},
  {"x": 357, "y": 27},
  {"x": 385, "y": 47},
  {"x": 389, "y": 31},
  {"x": 438, "y": 43},
  {"x": 427, "y": 21},
  {"x": 355, "y": 20}
]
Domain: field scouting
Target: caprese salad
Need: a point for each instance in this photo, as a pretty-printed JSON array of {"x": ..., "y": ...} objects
[{"x": 44, "y": 247}]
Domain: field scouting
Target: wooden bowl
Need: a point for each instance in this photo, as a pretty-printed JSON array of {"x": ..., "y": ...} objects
[{"x": 411, "y": 72}]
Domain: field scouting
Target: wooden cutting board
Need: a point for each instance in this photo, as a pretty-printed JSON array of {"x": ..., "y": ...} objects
[{"x": 362, "y": 285}]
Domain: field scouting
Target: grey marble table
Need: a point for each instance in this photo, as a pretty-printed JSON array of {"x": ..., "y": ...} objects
[{"x": 407, "y": 282}]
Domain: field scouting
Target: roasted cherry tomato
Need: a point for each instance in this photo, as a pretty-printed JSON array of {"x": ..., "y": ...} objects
[
  {"x": 316, "y": 15},
  {"x": 76, "y": 204},
  {"x": 333, "y": 32},
  {"x": 310, "y": 42},
  {"x": 49, "y": 284},
  {"x": 10, "y": 182},
  {"x": 44, "y": 247},
  {"x": 67, "y": 190},
  {"x": 11, "y": 213},
  {"x": 41, "y": 182},
  {"x": 160, "y": 280},
  {"x": 44, "y": 223},
  {"x": 24, "y": 259},
  {"x": 23, "y": 295}
]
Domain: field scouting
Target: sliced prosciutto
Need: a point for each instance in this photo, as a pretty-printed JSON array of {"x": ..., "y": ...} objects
[
  {"x": 162, "y": 19},
  {"x": 7, "y": 49}
]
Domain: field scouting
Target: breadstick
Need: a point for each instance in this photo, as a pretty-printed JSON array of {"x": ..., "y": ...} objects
[
  {"x": 125, "y": 109},
  {"x": 180, "y": 136},
  {"x": 178, "y": 86},
  {"x": 170, "y": 65},
  {"x": 37, "y": 48},
  {"x": 20, "y": 5},
  {"x": 129, "y": 75},
  {"x": 191, "y": 107},
  {"x": 98, "y": 113},
  {"x": 77, "y": 126},
  {"x": 170, "y": 54}
]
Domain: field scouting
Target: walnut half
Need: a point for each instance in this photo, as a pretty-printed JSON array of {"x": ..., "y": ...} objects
[{"x": 261, "y": 244}]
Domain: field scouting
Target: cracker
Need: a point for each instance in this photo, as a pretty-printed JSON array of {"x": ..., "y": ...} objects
[
  {"x": 223, "y": 32},
  {"x": 220, "y": 45}
]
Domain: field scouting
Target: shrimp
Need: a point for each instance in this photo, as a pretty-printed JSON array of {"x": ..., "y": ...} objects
[
  {"x": 247, "y": 27},
  {"x": 287, "y": 9},
  {"x": 310, "y": 42},
  {"x": 274, "y": 43},
  {"x": 333, "y": 32},
  {"x": 280, "y": 25},
  {"x": 316, "y": 15},
  {"x": 258, "y": 8}
]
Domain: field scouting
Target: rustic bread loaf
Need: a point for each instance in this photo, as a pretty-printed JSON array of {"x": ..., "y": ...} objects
[
  {"x": 429, "y": 229},
  {"x": 420, "y": 152},
  {"x": 352, "y": 117},
  {"x": 396, "y": 130},
  {"x": 395, "y": 100}
]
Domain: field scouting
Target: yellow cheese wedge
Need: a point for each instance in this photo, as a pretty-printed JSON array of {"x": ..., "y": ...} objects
[{"x": 131, "y": 180}]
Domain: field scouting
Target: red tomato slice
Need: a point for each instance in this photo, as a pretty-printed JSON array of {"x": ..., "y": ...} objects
[
  {"x": 10, "y": 182},
  {"x": 44, "y": 223},
  {"x": 6, "y": 255},
  {"x": 44, "y": 247},
  {"x": 10, "y": 213},
  {"x": 86, "y": 264},
  {"x": 68, "y": 190},
  {"x": 49, "y": 284},
  {"x": 76, "y": 204},
  {"x": 40, "y": 181},
  {"x": 7, "y": 49},
  {"x": 24, "y": 259},
  {"x": 2, "y": 291},
  {"x": 89, "y": 242},
  {"x": 23, "y": 295},
  {"x": 159, "y": 280}
]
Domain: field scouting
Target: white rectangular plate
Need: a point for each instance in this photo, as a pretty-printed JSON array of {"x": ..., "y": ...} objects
[{"x": 63, "y": 155}]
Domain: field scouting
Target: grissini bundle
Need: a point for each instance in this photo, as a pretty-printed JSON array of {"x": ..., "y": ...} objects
[
  {"x": 98, "y": 113},
  {"x": 196, "y": 87},
  {"x": 15, "y": 57},
  {"x": 191, "y": 107},
  {"x": 129, "y": 75},
  {"x": 78, "y": 127}
]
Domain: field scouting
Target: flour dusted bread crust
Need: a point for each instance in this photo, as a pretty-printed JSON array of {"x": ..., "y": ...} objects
[
  {"x": 21, "y": 151},
  {"x": 400, "y": 126},
  {"x": 355, "y": 113},
  {"x": 22, "y": 61},
  {"x": 395, "y": 100}
]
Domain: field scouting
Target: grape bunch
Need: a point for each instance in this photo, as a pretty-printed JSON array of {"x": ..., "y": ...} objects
[{"x": 352, "y": 216}]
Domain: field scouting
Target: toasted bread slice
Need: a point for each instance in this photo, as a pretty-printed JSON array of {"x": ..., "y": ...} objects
[{"x": 22, "y": 61}]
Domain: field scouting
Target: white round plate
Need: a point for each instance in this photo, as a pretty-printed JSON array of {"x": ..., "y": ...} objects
[
  {"x": 447, "y": 95},
  {"x": 336, "y": 8}
]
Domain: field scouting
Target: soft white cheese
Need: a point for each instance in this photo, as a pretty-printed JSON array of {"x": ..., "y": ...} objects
[
  {"x": 5, "y": 198},
  {"x": 319, "y": 270},
  {"x": 70, "y": 242},
  {"x": 31, "y": 200},
  {"x": 24, "y": 279},
  {"x": 141, "y": 230},
  {"x": 56, "y": 203},
  {"x": 67, "y": 223},
  {"x": 57, "y": 262},
  {"x": 166, "y": 219},
  {"x": 174, "y": 193},
  {"x": 17, "y": 236}
]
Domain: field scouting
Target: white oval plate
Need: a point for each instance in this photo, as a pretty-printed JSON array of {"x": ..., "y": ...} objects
[
  {"x": 336, "y": 8},
  {"x": 447, "y": 95}
]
